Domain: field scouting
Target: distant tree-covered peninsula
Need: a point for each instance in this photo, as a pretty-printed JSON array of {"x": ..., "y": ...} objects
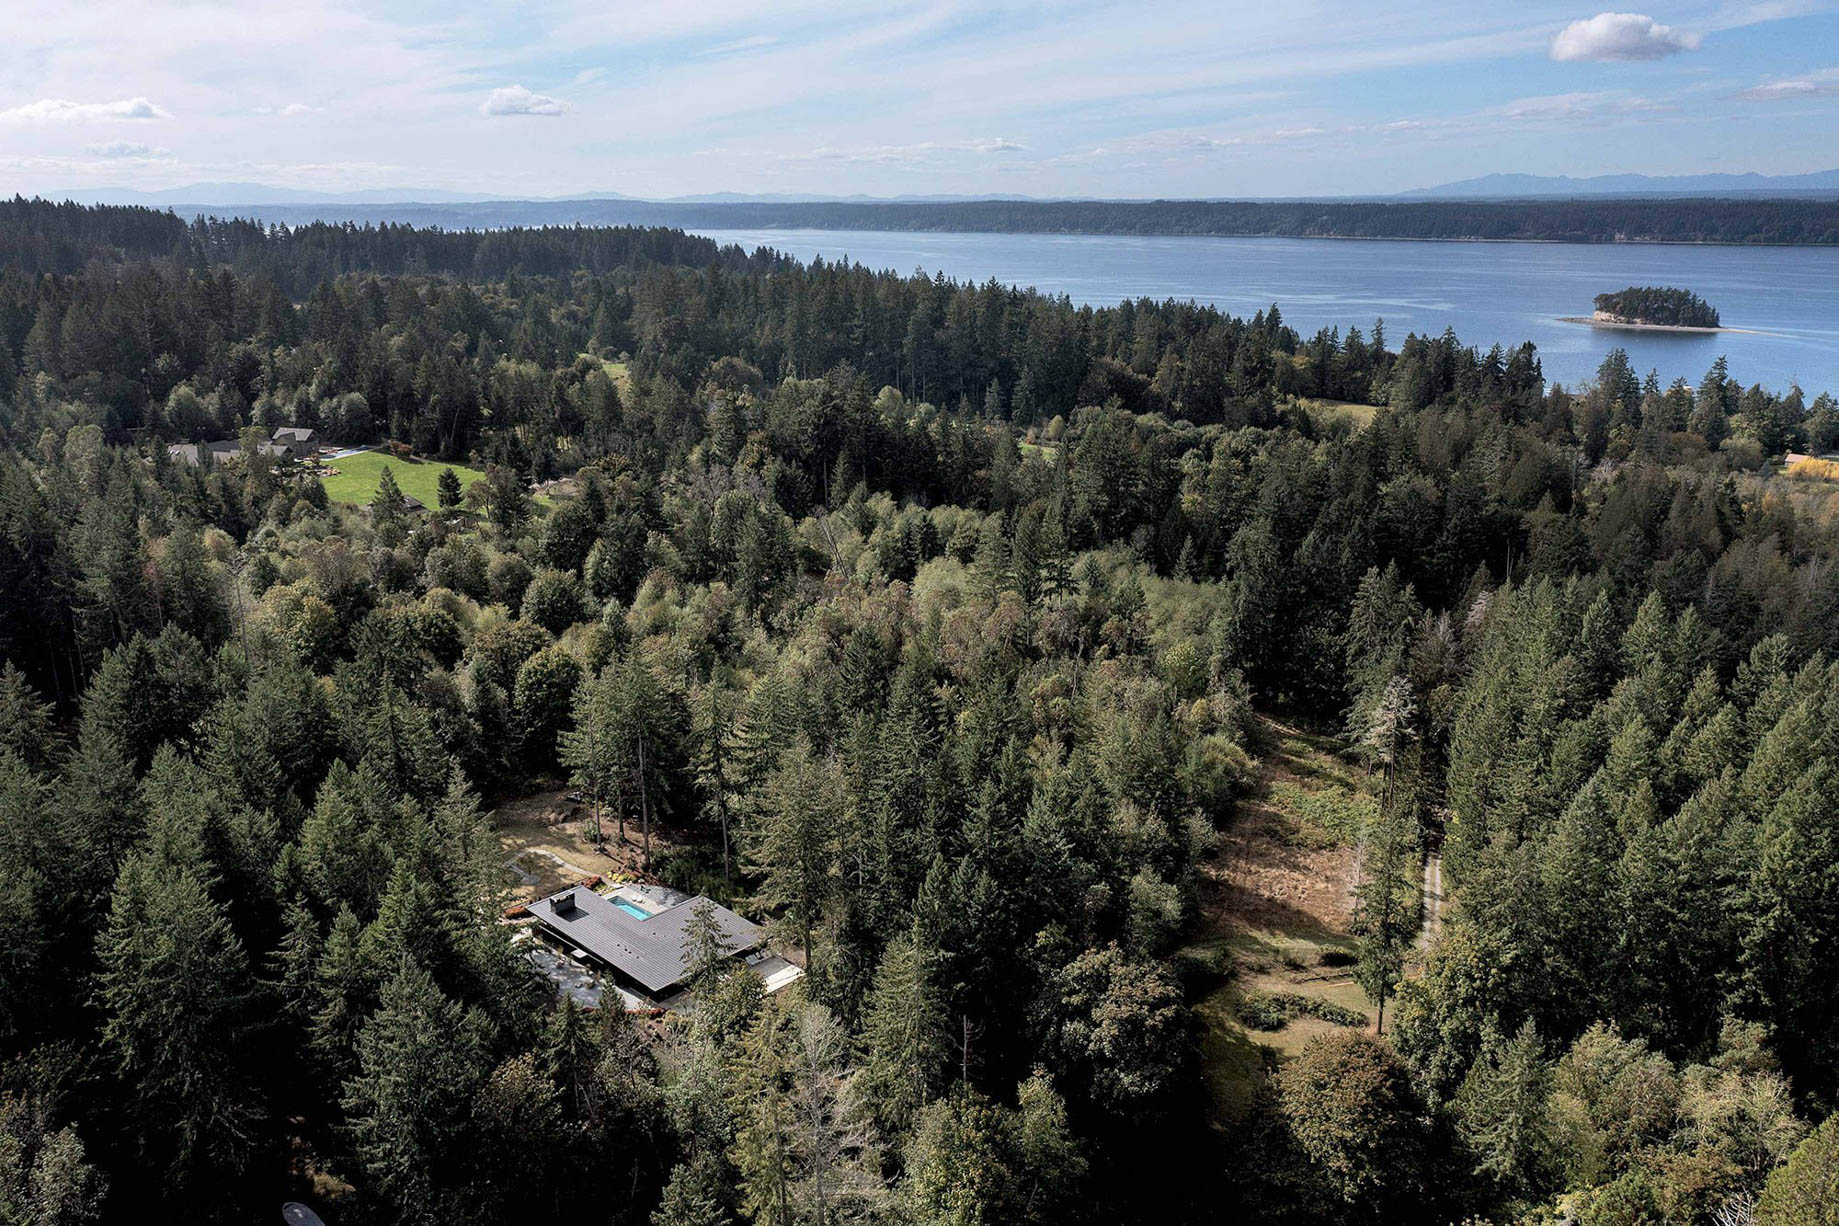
[{"x": 1657, "y": 306}]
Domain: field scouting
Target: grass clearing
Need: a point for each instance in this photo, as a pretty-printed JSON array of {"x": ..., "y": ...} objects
[
  {"x": 1277, "y": 896},
  {"x": 619, "y": 372},
  {"x": 358, "y": 475},
  {"x": 1325, "y": 411},
  {"x": 546, "y": 841}
]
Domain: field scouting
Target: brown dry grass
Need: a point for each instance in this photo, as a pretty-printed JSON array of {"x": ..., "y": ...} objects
[
  {"x": 551, "y": 838},
  {"x": 1267, "y": 873},
  {"x": 1277, "y": 894}
]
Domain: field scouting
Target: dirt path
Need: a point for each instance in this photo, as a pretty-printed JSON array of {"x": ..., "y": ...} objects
[{"x": 1433, "y": 901}]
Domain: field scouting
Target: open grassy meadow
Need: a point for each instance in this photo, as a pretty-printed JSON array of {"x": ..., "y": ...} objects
[
  {"x": 359, "y": 474},
  {"x": 1324, "y": 411}
]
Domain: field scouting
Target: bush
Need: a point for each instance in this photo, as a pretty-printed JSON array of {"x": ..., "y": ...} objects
[
  {"x": 1273, "y": 1010},
  {"x": 1265, "y": 1011},
  {"x": 1201, "y": 967},
  {"x": 1338, "y": 957},
  {"x": 1329, "y": 1011}
]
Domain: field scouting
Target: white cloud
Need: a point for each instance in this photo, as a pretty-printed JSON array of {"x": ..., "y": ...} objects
[
  {"x": 922, "y": 151},
  {"x": 1812, "y": 85},
  {"x": 1621, "y": 36},
  {"x": 516, "y": 100},
  {"x": 1576, "y": 108},
  {"x": 127, "y": 149},
  {"x": 750, "y": 43},
  {"x": 65, "y": 109}
]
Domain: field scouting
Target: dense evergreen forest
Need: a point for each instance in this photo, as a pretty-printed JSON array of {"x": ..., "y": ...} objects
[
  {"x": 1805, "y": 221},
  {"x": 945, "y": 628}
]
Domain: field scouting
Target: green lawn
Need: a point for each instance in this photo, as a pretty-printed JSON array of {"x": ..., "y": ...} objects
[{"x": 358, "y": 475}]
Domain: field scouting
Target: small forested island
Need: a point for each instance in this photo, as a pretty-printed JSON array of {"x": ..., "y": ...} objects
[{"x": 1655, "y": 307}]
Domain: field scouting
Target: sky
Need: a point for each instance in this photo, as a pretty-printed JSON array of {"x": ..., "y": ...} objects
[{"x": 658, "y": 98}]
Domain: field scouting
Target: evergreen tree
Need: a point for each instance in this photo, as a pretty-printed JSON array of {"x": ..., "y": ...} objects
[
  {"x": 593, "y": 749},
  {"x": 388, "y": 510},
  {"x": 176, "y": 988},
  {"x": 418, "y": 1067},
  {"x": 447, "y": 487},
  {"x": 903, "y": 1034},
  {"x": 795, "y": 846}
]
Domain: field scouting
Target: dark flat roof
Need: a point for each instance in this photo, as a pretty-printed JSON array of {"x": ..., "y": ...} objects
[{"x": 654, "y": 952}]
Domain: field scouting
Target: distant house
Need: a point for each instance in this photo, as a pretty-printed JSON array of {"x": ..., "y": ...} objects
[
  {"x": 288, "y": 443},
  {"x": 639, "y": 938},
  {"x": 300, "y": 438},
  {"x": 413, "y": 504}
]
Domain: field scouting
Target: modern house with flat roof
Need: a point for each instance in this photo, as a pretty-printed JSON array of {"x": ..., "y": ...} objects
[{"x": 639, "y": 937}]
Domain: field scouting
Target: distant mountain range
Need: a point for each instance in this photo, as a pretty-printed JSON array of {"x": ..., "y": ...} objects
[
  {"x": 1487, "y": 187},
  {"x": 1518, "y": 186}
]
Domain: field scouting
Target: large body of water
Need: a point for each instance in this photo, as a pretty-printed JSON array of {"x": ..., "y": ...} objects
[{"x": 1487, "y": 292}]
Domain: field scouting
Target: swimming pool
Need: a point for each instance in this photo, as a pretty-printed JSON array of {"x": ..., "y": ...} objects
[{"x": 631, "y": 910}]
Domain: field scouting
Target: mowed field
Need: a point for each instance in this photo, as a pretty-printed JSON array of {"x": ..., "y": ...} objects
[{"x": 359, "y": 474}]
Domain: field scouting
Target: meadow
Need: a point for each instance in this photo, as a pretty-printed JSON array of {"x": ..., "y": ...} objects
[{"x": 358, "y": 475}]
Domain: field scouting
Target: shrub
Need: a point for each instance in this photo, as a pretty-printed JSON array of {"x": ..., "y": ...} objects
[
  {"x": 1273, "y": 1010},
  {"x": 1201, "y": 966},
  {"x": 1265, "y": 1011},
  {"x": 1329, "y": 1011}
]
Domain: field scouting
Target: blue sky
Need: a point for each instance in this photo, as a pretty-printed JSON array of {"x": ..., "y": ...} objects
[{"x": 665, "y": 97}]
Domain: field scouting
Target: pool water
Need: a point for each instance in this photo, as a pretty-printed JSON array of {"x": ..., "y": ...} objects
[{"x": 629, "y": 909}]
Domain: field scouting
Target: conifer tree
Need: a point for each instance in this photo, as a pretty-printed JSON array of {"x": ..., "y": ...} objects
[
  {"x": 387, "y": 509},
  {"x": 418, "y": 1066},
  {"x": 763, "y": 1137},
  {"x": 903, "y": 1034},
  {"x": 593, "y": 750},
  {"x": 178, "y": 996},
  {"x": 795, "y": 845},
  {"x": 447, "y": 487}
]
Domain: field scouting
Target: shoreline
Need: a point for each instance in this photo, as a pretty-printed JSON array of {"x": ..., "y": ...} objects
[
  {"x": 1680, "y": 329},
  {"x": 707, "y": 231}
]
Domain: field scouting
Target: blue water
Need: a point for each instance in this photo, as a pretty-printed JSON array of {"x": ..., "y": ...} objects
[
  {"x": 631, "y": 910},
  {"x": 1488, "y": 292}
]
